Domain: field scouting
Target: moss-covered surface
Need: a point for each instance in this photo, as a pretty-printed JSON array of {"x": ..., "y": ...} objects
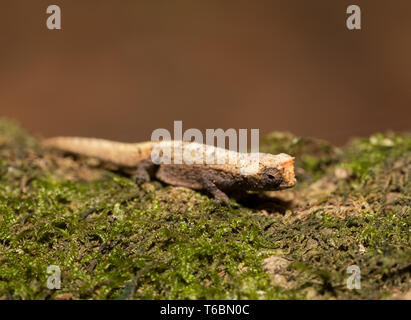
[{"x": 113, "y": 239}]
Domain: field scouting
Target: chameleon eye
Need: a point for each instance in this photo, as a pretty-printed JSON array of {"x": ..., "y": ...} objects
[{"x": 272, "y": 175}]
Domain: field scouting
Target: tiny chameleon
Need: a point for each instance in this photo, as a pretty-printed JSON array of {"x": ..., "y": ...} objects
[{"x": 275, "y": 172}]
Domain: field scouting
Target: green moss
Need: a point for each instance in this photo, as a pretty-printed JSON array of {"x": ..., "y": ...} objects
[
  {"x": 114, "y": 239},
  {"x": 12, "y": 135},
  {"x": 186, "y": 255},
  {"x": 366, "y": 156},
  {"x": 313, "y": 156}
]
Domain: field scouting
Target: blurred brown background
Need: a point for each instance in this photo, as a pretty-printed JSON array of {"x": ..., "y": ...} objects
[{"x": 120, "y": 69}]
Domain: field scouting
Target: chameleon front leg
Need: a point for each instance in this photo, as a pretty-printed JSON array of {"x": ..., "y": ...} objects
[
  {"x": 190, "y": 177},
  {"x": 145, "y": 170},
  {"x": 219, "y": 196}
]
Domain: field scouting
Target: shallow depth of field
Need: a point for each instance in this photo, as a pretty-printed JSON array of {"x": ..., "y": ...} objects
[{"x": 114, "y": 239}]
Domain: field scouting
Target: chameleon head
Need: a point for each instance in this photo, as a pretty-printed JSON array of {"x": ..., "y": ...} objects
[{"x": 276, "y": 171}]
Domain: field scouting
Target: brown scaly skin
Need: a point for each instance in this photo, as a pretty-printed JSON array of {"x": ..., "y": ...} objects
[{"x": 275, "y": 172}]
